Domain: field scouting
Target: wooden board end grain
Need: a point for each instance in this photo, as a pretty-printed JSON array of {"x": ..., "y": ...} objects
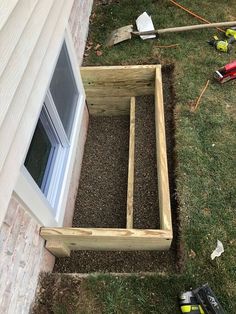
[{"x": 57, "y": 248}]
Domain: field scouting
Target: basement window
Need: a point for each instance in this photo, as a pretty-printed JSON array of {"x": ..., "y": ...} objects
[{"x": 48, "y": 151}]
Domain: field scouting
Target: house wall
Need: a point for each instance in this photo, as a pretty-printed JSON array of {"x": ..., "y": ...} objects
[
  {"x": 30, "y": 36},
  {"x": 79, "y": 16},
  {"x": 20, "y": 259}
]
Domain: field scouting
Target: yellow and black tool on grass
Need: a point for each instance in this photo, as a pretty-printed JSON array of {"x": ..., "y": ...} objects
[
  {"x": 231, "y": 32},
  {"x": 200, "y": 301},
  {"x": 189, "y": 304},
  {"x": 224, "y": 45}
]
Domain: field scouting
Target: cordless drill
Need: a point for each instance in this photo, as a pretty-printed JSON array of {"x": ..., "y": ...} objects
[
  {"x": 188, "y": 303},
  {"x": 231, "y": 32},
  {"x": 200, "y": 301},
  {"x": 224, "y": 45}
]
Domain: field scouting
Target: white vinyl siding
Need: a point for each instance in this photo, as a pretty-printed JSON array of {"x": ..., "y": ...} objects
[
  {"x": 6, "y": 7},
  {"x": 28, "y": 58}
]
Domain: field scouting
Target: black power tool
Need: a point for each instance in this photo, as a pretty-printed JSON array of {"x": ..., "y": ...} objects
[{"x": 200, "y": 301}]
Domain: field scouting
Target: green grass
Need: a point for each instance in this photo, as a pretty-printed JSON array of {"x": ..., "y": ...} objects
[{"x": 205, "y": 146}]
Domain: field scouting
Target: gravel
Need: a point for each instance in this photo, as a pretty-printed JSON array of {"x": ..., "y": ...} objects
[
  {"x": 102, "y": 194},
  {"x": 146, "y": 212}
]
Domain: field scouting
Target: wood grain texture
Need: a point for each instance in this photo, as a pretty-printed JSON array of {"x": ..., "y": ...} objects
[
  {"x": 130, "y": 188},
  {"x": 109, "y": 239},
  {"x": 119, "y": 81},
  {"x": 162, "y": 170},
  {"x": 57, "y": 248},
  {"x": 195, "y": 27},
  {"x": 184, "y": 28},
  {"x": 107, "y": 106}
]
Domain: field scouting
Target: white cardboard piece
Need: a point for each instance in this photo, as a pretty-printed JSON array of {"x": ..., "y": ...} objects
[
  {"x": 144, "y": 23},
  {"x": 218, "y": 250}
]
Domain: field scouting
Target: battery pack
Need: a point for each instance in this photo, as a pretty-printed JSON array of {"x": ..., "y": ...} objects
[{"x": 209, "y": 302}]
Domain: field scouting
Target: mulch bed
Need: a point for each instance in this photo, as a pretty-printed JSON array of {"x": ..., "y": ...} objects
[{"x": 101, "y": 200}]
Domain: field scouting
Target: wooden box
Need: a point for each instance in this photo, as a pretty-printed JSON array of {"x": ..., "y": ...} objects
[{"x": 111, "y": 90}]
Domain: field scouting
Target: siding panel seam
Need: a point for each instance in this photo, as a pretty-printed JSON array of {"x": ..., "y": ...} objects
[{"x": 31, "y": 112}]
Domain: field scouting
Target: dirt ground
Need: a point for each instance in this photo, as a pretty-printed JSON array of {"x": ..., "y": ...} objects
[
  {"x": 63, "y": 293},
  {"x": 101, "y": 200}
]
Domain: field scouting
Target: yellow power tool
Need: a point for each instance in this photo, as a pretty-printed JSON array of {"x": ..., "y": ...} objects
[
  {"x": 231, "y": 32},
  {"x": 189, "y": 304},
  {"x": 224, "y": 45}
]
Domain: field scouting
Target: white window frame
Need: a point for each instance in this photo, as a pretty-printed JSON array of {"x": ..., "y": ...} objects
[
  {"x": 26, "y": 189},
  {"x": 55, "y": 156}
]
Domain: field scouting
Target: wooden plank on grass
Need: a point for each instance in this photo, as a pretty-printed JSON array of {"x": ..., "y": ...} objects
[
  {"x": 109, "y": 239},
  {"x": 119, "y": 81},
  {"x": 130, "y": 189},
  {"x": 162, "y": 169}
]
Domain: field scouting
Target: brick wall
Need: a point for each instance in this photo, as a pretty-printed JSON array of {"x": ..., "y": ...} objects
[
  {"x": 21, "y": 249},
  {"x": 22, "y": 252},
  {"x": 78, "y": 22}
]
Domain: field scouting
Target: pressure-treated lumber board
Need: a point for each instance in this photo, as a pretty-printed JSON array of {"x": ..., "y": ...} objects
[
  {"x": 108, "y": 105},
  {"x": 57, "y": 248},
  {"x": 130, "y": 188},
  {"x": 162, "y": 170},
  {"x": 109, "y": 239},
  {"x": 119, "y": 81}
]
